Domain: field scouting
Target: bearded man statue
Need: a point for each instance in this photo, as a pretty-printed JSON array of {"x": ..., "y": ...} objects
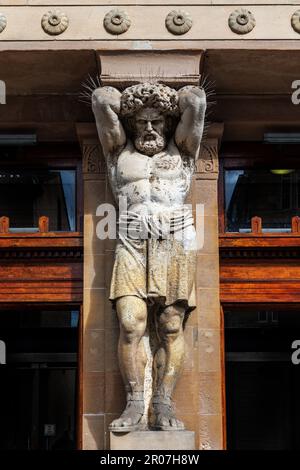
[{"x": 150, "y": 135}]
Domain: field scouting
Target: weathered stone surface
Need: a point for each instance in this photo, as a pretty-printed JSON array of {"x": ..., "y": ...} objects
[
  {"x": 93, "y": 354},
  {"x": 153, "y": 440},
  {"x": 154, "y": 269},
  {"x": 209, "y": 349},
  {"x": 207, "y": 316},
  {"x": 211, "y": 434},
  {"x": 93, "y": 432},
  {"x": 94, "y": 384}
]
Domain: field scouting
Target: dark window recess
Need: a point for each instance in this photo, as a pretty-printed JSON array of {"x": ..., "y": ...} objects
[
  {"x": 38, "y": 390},
  {"x": 262, "y": 383},
  {"x": 34, "y": 331},
  {"x": 27, "y": 195},
  {"x": 273, "y": 195}
]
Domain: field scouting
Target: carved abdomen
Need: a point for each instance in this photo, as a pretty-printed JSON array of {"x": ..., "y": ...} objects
[{"x": 151, "y": 182}]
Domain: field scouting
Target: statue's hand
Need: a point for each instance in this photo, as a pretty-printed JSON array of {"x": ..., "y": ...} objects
[
  {"x": 190, "y": 95},
  {"x": 107, "y": 96}
]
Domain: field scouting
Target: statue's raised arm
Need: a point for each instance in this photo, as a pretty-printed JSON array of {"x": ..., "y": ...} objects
[
  {"x": 192, "y": 106},
  {"x": 156, "y": 253},
  {"x": 106, "y": 104}
]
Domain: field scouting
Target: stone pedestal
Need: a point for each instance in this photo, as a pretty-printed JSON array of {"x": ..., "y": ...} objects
[{"x": 153, "y": 440}]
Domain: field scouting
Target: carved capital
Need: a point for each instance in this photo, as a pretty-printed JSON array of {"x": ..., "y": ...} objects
[
  {"x": 207, "y": 166},
  {"x": 93, "y": 162},
  {"x": 92, "y": 158}
]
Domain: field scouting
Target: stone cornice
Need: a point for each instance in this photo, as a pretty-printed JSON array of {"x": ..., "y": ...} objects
[{"x": 84, "y": 21}]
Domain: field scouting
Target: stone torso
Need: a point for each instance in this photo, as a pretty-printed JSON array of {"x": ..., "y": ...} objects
[{"x": 151, "y": 184}]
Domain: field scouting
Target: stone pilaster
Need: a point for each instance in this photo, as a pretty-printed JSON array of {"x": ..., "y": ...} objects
[
  {"x": 210, "y": 332},
  {"x": 95, "y": 295}
]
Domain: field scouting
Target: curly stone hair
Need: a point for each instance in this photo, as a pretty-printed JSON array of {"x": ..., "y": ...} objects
[{"x": 158, "y": 96}]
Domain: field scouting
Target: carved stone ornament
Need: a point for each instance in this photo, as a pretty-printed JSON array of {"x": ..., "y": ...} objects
[
  {"x": 55, "y": 22},
  {"x": 208, "y": 162},
  {"x": 241, "y": 21},
  {"x": 92, "y": 162},
  {"x": 3, "y": 22},
  {"x": 116, "y": 22},
  {"x": 150, "y": 144},
  {"x": 178, "y": 22},
  {"x": 295, "y": 21}
]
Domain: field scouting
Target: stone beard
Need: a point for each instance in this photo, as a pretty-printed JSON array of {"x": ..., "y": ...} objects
[
  {"x": 150, "y": 135},
  {"x": 149, "y": 144}
]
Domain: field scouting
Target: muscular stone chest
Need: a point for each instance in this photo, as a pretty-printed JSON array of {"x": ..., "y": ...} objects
[{"x": 160, "y": 178}]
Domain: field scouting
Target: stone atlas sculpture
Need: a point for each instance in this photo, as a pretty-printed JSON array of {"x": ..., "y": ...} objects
[{"x": 150, "y": 135}]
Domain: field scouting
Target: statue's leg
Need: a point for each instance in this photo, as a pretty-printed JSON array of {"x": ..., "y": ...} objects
[
  {"x": 132, "y": 314},
  {"x": 168, "y": 363}
]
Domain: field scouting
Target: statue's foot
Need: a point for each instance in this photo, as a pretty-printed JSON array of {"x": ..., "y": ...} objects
[
  {"x": 130, "y": 418},
  {"x": 164, "y": 418}
]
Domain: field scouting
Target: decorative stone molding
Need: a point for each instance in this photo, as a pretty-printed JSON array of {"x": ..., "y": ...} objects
[
  {"x": 3, "y": 22},
  {"x": 178, "y": 22},
  {"x": 295, "y": 21},
  {"x": 116, "y": 21},
  {"x": 55, "y": 22},
  {"x": 208, "y": 163},
  {"x": 241, "y": 21}
]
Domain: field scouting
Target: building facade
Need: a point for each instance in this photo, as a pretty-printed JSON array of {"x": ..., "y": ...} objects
[{"x": 62, "y": 381}]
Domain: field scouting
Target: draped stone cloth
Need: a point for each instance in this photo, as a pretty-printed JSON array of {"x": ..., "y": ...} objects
[{"x": 161, "y": 267}]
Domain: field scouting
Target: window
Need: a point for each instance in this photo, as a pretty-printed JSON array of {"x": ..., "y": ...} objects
[
  {"x": 273, "y": 195},
  {"x": 262, "y": 383},
  {"x": 26, "y": 195},
  {"x": 39, "y": 383}
]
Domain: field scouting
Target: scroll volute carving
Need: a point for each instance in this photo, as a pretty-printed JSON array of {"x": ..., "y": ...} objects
[
  {"x": 207, "y": 166},
  {"x": 93, "y": 162}
]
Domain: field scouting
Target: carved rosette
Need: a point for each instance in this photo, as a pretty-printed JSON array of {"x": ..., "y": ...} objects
[
  {"x": 116, "y": 22},
  {"x": 3, "y": 22},
  {"x": 295, "y": 21},
  {"x": 55, "y": 22},
  {"x": 241, "y": 21},
  {"x": 178, "y": 22}
]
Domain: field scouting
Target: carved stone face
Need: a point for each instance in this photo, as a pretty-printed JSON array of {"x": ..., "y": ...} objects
[{"x": 150, "y": 131}]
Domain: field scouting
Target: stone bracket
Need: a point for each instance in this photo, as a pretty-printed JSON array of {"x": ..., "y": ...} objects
[{"x": 174, "y": 68}]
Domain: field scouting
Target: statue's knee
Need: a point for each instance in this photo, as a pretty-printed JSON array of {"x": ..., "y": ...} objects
[
  {"x": 171, "y": 327},
  {"x": 132, "y": 319},
  {"x": 170, "y": 321},
  {"x": 132, "y": 329}
]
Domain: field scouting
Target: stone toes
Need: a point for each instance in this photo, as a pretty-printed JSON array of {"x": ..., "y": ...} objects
[
  {"x": 121, "y": 422},
  {"x": 174, "y": 422},
  {"x": 127, "y": 422},
  {"x": 164, "y": 421},
  {"x": 116, "y": 423}
]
